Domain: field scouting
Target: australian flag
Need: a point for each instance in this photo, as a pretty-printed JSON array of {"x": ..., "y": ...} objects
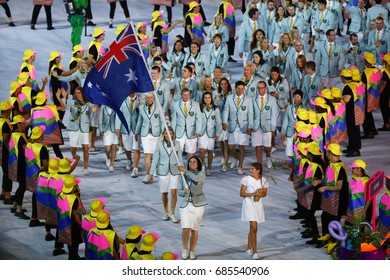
[{"x": 120, "y": 71}]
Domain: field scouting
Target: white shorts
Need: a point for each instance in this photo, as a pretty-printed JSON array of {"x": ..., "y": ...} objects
[
  {"x": 78, "y": 138},
  {"x": 110, "y": 138},
  {"x": 261, "y": 139},
  {"x": 238, "y": 138},
  {"x": 189, "y": 144},
  {"x": 129, "y": 142},
  {"x": 168, "y": 182},
  {"x": 149, "y": 143},
  {"x": 191, "y": 216},
  {"x": 289, "y": 146},
  {"x": 206, "y": 142}
]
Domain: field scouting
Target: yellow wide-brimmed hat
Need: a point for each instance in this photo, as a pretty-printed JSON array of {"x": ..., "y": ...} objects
[
  {"x": 37, "y": 132},
  {"x": 347, "y": 73},
  {"x": 119, "y": 29},
  {"x": 97, "y": 32},
  {"x": 156, "y": 14},
  {"x": 65, "y": 165},
  {"x": 302, "y": 147},
  {"x": 134, "y": 232},
  {"x": 169, "y": 256},
  {"x": 325, "y": 93},
  {"x": 359, "y": 163},
  {"x": 336, "y": 92},
  {"x": 103, "y": 219},
  {"x": 334, "y": 148},
  {"x": 54, "y": 55},
  {"x": 14, "y": 86},
  {"x": 314, "y": 149},
  {"x": 28, "y": 53},
  {"x": 78, "y": 48},
  {"x": 193, "y": 4},
  {"x": 148, "y": 241},
  {"x": 302, "y": 114},
  {"x": 319, "y": 101},
  {"x": 5, "y": 105},
  {"x": 369, "y": 57},
  {"x": 40, "y": 98}
]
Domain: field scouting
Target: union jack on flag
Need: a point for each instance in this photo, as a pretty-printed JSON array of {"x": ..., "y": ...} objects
[{"x": 120, "y": 71}]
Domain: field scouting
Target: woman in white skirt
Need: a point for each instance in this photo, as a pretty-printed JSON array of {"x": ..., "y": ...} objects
[
  {"x": 192, "y": 205},
  {"x": 79, "y": 124},
  {"x": 167, "y": 171},
  {"x": 211, "y": 129},
  {"x": 253, "y": 188}
]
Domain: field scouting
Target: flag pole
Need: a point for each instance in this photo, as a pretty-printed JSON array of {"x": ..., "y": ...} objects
[{"x": 159, "y": 108}]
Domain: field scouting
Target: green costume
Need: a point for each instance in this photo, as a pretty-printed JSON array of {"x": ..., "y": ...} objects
[{"x": 77, "y": 20}]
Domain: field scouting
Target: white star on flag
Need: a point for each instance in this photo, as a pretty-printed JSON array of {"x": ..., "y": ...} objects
[{"x": 131, "y": 76}]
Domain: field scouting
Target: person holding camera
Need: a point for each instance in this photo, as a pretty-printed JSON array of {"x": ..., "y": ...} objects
[{"x": 76, "y": 10}]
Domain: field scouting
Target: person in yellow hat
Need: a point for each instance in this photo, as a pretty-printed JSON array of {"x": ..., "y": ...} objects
[
  {"x": 89, "y": 220},
  {"x": 37, "y": 8},
  {"x": 168, "y": 5},
  {"x": 169, "y": 256},
  {"x": 143, "y": 38},
  {"x": 371, "y": 78},
  {"x": 78, "y": 54},
  {"x": 47, "y": 116},
  {"x": 102, "y": 241},
  {"x": 133, "y": 237},
  {"x": 56, "y": 67},
  {"x": 353, "y": 94},
  {"x": 194, "y": 25},
  {"x": 37, "y": 160},
  {"x": 310, "y": 197},
  {"x": 28, "y": 67},
  {"x": 149, "y": 240},
  {"x": 17, "y": 163},
  {"x": 5, "y": 133},
  {"x": 96, "y": 49},
  {"x": 123, "y": 4},
  {"x": 15, "y": 91},
  {"x": 160, "y": 31},
  {"x": 385, "y": 93},
  {"x": 337, "y": 122},
  {"x": 359, "y": 209},
  {"x": 334, "y": 200},
  {"x": 69, "y": 213}
]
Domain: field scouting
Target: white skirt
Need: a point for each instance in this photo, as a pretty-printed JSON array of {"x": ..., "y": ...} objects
[
  {"x": 252, "y": 211},
  {"x": 191, "y": 216}
]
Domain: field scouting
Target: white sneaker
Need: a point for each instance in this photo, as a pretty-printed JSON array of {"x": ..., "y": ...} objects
[
  {"x": 269, "y": 163},
  {"x": 273, "y": 149},
  {"x": 134, "y": 174},
  {"x": 240, "y": 171},
  {"x": 174, "y": 219},
  {"x": 222, "y": 162},
  {"x": 249, "y": 252},
  {"x": 193, "y": 256},
  {"x": 234, "y": 163},
  {"x": 146, "y": 180},
  {"x": 165, "y": 217},
  {"x": 256, "y": 257},
  {"x": 86, "y": 172},
  {"x": 155, "y": 174},
  {"x": 121, "y": 151},
  {"x": 224, "y": 168},
  {"x": 111, "y": 169},
  {"x": 108, "y": 162},
  {"x": 184, "y": 254},
  {"x": 128, "y": 165},
  {"x": 208, "y": 172}
]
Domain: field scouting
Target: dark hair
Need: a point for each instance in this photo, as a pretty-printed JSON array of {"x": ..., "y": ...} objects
[
  {"x": 188, "y": 67},
  {"x": 277, "y": 15},
  {"x": 183, "y": 90},
  {"x": 352, "y": 35},
  {"x": 253, "y": 43},
  {"x": 199, "y": 167},
  {"x": 322, "y": 2},
  {"x": 303, "y": 58},
  {"x": 229, "y": 85},
  {"x": 318, "y": 159},
  {"x": 51, "y": 63},
  {"x": 217, "y": 36},
  {"x": 195, "y": 43},
  {"x": 202, "y": 103},
  {"x": 299, "y": 92},
  {"x": 239, "y": 83},
  {"x": 259, "y": 53},
  {"x": 82, "y": 93},
  {"x": 157, "y": 58},
  {"x": 182, "y": 47},
  {"x": 311, "y": 65},
  {"x": 157, "y": 68},
  {"x": 258, "y": 166},
  {"x": 328, "y": 32},
  {"x": 252, "y": 12},
  {"x": 275, "y": 69}
]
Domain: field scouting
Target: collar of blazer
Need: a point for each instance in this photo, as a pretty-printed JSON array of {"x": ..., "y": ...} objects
[
  {"x": 242, "y": 96},
  {"x": 146, "y": 110},
  {"x": 266, "y": 99}
]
